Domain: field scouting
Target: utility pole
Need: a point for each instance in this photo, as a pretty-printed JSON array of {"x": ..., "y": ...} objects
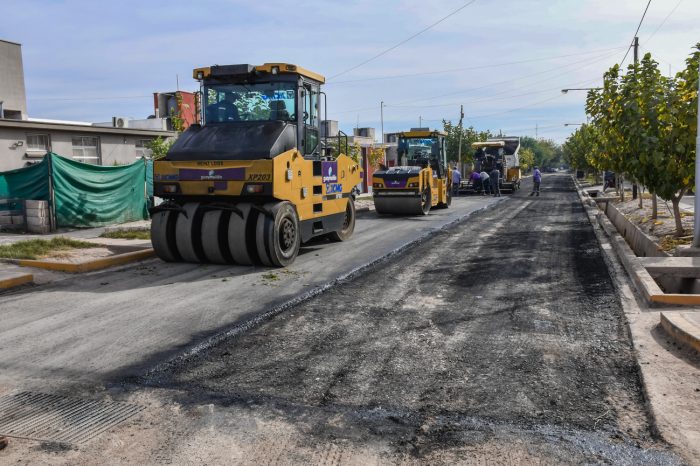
[
  {"x": 381, "y": 111},
  {"x": 537, "y": 130},
  {"x": 459, "y": 151},
  {"x": 696, "y": 231},
  {"x": 636, "y": 61},
  {"x": 420, "y": 121}
]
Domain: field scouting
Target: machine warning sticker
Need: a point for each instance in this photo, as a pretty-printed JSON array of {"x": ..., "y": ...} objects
[{"x": 329, "y": 171}]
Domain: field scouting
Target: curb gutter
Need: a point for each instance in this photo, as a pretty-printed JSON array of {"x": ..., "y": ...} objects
[
  {"x": 682, "y": 329},
  {"x": 88, "y": 266},
  {"x": 15, "y": 279}
]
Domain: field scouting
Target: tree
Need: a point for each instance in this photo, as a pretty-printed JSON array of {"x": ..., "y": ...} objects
[
  {"x": 527, "y": 158},
  {"x": 546, "y": 153},
  {"x": 605, "y": 107},
  {"x": 580, "y": 149},
  {"x": 375, "y": 156},
  {"x": 469, "y": 135},
  {"x": 160, "y": 147},
  {"x": 678, "y": 119}
]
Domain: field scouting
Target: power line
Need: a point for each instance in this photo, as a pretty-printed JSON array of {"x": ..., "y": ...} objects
[
  {"x": 635, "y": 33},
  {"x": 664, "y": 21},
  {"x": 587, "y": 62},
  {"x": 520, "y": 78},
  {"x": 470, "y": 68},
  {"x": 384, "y": 52}
]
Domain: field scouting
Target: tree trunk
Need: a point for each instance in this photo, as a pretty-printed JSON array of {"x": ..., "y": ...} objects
[
  {"x": 654, "y": 207},
  {"x": 677, "y": 215},
  {"x": 641, "y": 197},
  {"x": 621, "y": 187}
]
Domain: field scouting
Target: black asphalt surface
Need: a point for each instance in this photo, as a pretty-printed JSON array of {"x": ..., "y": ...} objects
[{"x": 503, "y": 330}]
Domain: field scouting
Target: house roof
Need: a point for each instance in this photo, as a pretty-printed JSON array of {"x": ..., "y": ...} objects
[{"x": 82, "y": 128}]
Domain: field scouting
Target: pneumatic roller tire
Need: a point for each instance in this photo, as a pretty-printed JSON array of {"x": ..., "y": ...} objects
[
  {"x": 215, "y": 238},
  {"x": 240, "y": 234},
  {"x": 188, "y": 233},
  {"x": 348, "y": 228},
  {"x": 278, "y": 235},
  {"x": 163, "y": 235}
]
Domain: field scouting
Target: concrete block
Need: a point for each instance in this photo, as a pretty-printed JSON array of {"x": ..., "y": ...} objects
[
  {"x": 5, "y": 220},
  {"x": 39, "y": 229},
  {"x": 17, "y": 219},
  {"x": 36, "y": 204},
  {"x": 37, "y": 221},
  {"x": 37, "y": 213}
]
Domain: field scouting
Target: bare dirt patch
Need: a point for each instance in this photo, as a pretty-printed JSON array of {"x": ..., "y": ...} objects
[{"x": 662, "y": 229}]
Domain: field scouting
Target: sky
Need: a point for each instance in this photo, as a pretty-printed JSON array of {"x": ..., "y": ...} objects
[{"x": 506, "y": 61}]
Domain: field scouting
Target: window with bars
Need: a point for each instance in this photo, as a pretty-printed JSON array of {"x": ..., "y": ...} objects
[
  {"x": 38, "y": 142},
  {"x": 86, "y": 149},
  {"x": 143, "y": 149}
]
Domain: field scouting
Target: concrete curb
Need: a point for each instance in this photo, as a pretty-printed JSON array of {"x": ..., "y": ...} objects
[
  {"x": 654, "y": 398},
  {"x": 643, "y": 281},
  {"x": 15, "y": 279},
  {"x": 91, "y": 265},
  {"x": 240, "y": 327},
  {"x": 678, "y": 326}
]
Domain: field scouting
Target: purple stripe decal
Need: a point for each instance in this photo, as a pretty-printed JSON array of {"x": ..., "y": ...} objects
[{"x": 222, "y": 174}]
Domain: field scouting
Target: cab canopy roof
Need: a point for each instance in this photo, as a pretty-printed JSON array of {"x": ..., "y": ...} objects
[
  {"x": 241, "y": 71},
  {"x": 477, "y": 145},
  {"x": 422, "y": 133}
]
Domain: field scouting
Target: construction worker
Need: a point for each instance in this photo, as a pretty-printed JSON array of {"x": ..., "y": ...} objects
[{"x": 495, "y": 182}]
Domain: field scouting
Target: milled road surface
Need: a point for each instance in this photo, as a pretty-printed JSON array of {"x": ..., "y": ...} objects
[{"x": 500, "y": 340}]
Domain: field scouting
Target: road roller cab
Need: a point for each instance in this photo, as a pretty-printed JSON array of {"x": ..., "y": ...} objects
[
  {"x": 421, "y": 181},
  {"x": 253, "y": 181}
]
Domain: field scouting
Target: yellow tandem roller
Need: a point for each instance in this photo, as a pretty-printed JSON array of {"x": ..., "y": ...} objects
[{"x": 421, "y": 182}]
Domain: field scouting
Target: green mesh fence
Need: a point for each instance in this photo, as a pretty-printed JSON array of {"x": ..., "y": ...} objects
[{"x": 84, "y": 195}]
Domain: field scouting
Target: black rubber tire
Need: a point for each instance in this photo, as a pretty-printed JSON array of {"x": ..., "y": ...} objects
[
  {"x": 278, "y": 234},
  {"x": 448, "y": 200},
  {"x": 345, "y": 233},
  {"x": 163, "y": 235},
  {"x": 188, "y": 233},
  {"x": 237, "y": 235},
  {"x": 426, "y": 201},
  {"x": 214, "y": 237}
]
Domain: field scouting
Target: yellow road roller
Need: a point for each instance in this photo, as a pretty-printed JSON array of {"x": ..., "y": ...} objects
[
  {"x": 254, "y": 180},
  {"x": 421, "y": 181}
]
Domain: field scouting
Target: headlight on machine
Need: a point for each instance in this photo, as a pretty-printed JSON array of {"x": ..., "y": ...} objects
[
  {"x": 377, "y": 185},
  {"x": 413, "y": 185},
  {"x": 169, "y": 188}
]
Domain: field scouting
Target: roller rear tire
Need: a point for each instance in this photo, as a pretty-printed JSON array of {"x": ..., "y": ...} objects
[
  {"x": 278, "y": 234},
  {"x": 348, "y": 228}
]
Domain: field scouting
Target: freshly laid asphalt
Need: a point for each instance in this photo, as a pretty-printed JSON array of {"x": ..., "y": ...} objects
[
  {"x": 502, "y": 331},
  {"x": 100, "y": 326}
]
